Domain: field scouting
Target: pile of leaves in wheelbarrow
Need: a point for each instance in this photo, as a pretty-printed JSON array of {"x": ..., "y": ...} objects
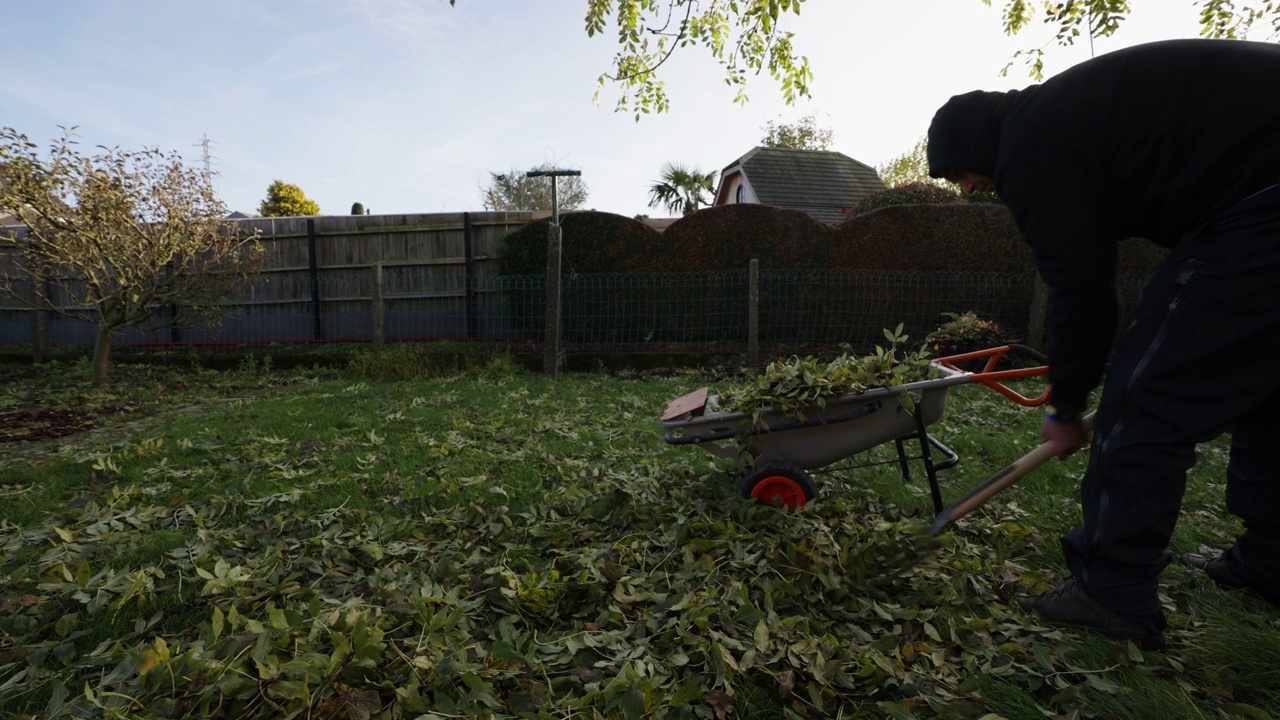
[{"x": 798, "y": 383}]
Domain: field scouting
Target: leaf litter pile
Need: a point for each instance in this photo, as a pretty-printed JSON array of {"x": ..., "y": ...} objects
[
  {"x": 516, "y": 548},
  {"x": 796, "y": 384}
]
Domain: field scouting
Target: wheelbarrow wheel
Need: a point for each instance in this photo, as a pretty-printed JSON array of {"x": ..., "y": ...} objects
[{"x": 778, "y": 485}]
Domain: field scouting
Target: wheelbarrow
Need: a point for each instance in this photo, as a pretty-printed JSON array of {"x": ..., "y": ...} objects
[{"x": 782, "y": 456}]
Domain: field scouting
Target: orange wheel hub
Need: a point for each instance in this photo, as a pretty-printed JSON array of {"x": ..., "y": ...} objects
[{"x": 778, "y": 490}]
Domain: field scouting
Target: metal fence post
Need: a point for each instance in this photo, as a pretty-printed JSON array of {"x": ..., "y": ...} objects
[
  {"x": 551, "y": 352},
  {"x": 753, "y": 314},
  {"x": 551, "y": 347},
  {"x": 379, "y": 308}
]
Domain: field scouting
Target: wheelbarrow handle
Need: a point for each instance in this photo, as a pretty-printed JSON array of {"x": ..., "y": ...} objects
[
  {"x": 993, "y": 378},
  {"x": 1007, "y": 476}
]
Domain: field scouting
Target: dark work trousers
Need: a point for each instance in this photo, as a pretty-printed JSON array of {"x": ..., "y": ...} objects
[{"x": 1201, "y": 359}]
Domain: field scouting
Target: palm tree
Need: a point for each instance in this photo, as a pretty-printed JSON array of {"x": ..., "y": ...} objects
[{"x": 681, "y": 188}]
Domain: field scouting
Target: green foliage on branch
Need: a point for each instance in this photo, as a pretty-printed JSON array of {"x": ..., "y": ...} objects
[
  {"x": 965, "y": 332},
  {"x": 1227, "y": 19},
  {"x": 682, "y": 189},
  {"x": 909, "y": 167},
  {"x": 916, "y": 193},
  {"x": 744, "y": 37},
  {"x": 797, "y": 384},
  {"x": 514, "y": 190},
  {"x": 803, "y": 134},
  {"x": 286, "y": 200},
  {"x": 118, "y": 238}
]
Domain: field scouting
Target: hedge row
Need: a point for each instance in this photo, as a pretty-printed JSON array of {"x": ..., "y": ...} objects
[{"x": 977, "y": 237}]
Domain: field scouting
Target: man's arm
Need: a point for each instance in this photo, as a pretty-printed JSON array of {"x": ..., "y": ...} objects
[{"x": 1062, "y": 210}]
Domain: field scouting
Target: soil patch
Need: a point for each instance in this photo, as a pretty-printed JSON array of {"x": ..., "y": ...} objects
[{"x": 27, "y": 424}]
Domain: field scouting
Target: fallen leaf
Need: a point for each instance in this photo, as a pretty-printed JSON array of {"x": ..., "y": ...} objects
[
  {"x": 786, "y": 683},
  {"x": 720, "y": 702}
]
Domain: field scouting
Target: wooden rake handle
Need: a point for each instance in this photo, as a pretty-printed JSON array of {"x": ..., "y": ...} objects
[{"x": 1007, "y": 476}]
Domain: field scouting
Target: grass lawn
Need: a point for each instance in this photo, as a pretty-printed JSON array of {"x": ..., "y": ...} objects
[{"x": 266, "y": 544}]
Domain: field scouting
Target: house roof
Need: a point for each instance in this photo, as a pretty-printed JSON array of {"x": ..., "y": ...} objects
[{"x": 823, "y": 183}]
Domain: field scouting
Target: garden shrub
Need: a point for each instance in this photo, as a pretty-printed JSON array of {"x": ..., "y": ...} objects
[
  {"x": 978, "y": 235},
  {"x": 955, "y": 237},
  {"x": 986, "y": 196},
  {"x": 729, "y": 236},
  {"x": 591, "y": 242},
  {"x": 966, "y": 332},
  {"x": 916, "y": 193}
]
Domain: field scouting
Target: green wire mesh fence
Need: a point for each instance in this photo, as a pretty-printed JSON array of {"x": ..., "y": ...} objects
[{"x": 601, "y": 312}]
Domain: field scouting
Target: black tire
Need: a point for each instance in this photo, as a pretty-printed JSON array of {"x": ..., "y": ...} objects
[{"x": 778, "y": 485}]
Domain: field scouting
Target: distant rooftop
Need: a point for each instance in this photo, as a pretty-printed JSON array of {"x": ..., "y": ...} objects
[{"x": 823, "y": 183}]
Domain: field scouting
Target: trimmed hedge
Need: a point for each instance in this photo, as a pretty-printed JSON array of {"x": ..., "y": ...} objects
[
  {"x": 916, "y": 193},
  {"x": 591, "y": 242},
  {"x": 975, "y": 237},
  {"x": 890, "y": 243},
  {"x": 960, "y": 236},
  {"x": 729, "y": 236}
]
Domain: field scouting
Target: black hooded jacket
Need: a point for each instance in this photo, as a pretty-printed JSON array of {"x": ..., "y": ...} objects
[{"x": 1151, "y": 141}]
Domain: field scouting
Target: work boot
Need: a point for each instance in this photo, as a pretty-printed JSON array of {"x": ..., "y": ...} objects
[
  {"x": 1070, "y": 605},
  {"x": 1217, "y": 570}
]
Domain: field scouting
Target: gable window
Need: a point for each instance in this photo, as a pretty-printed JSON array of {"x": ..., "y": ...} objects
[{"x": 741, "y": 195}]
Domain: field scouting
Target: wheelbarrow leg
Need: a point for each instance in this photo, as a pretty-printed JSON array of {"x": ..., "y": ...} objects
[
  {"x": 926, "y": 454},
  {"x": 903, "y": 460}
]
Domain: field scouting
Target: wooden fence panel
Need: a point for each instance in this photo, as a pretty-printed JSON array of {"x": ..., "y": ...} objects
[{"x": 425, "y": 256}]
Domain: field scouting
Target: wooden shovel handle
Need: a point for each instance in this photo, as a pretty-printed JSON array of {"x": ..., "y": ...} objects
[{"x": 1007, "y": 476}]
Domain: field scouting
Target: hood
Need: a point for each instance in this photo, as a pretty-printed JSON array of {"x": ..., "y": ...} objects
[{"x": 965, "y": 133}]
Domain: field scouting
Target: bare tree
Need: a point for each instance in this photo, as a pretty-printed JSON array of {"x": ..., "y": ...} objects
[
  {"x": 123, "y": 237},
  {"x": 514, "y": 191}
]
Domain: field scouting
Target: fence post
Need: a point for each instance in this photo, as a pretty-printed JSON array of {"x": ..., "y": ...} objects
[
  {"x": 551, "y": 347},
  {"x": 175, "y": 335},
  {"x": 379, "y": 308},
  {"x": 753, "y": 314},
  {"x": 1039, "y": 313},
  {"x": 39, "y": 321},
  {"x": 315, "y": 278},
  {"x": 470, "y": 288}
]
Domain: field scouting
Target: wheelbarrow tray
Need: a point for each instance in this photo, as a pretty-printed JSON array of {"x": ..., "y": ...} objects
[{"x": 847, "y": 425}]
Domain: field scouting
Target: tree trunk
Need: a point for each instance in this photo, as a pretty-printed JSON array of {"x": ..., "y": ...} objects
[{"x": 101, "y": 353}]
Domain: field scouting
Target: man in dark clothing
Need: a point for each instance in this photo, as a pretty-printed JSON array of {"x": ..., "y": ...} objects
[{"x": 1177, "y": 142}]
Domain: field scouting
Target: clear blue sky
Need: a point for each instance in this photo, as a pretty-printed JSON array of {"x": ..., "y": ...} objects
[{"x": 407, "y": 105}]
